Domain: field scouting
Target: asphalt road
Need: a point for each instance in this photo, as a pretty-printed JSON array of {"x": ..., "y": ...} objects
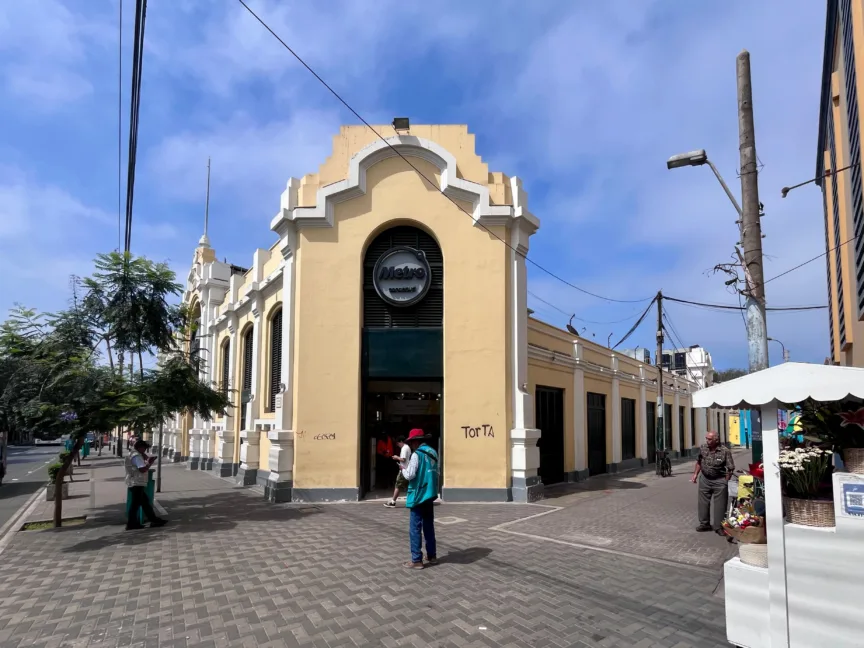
[{"x": 25, "y": 474}]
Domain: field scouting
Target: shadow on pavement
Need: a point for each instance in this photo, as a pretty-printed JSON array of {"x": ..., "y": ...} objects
[
  {"x": 466, "y": 556},
  {"x": 591, "y": 485},
  {"x": 213, "y": 512}
]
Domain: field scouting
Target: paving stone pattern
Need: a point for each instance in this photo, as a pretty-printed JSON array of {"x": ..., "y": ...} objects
[
  {"x": 634, "y": 513},
  {"x": 233, "y": 570}
]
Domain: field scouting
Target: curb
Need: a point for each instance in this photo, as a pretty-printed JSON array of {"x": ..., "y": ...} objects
[{"x": 8, "y": 531}]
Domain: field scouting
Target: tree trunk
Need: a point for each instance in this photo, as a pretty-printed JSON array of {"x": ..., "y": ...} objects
[
  {"x": 110, "y": 357},
  {"x": 58, "y": 482},
  {"x": 140, "y": 365}
]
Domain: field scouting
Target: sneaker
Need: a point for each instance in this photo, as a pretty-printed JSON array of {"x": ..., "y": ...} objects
[
  {"x": 158, "y": 523},
  {"x": 720, "y": 532},
  {"x": 432, "y": 561},
  {"x": 415, "y": 565},
  {"x": 390, "y": 504},
  {"x": 702, "y": 528}
]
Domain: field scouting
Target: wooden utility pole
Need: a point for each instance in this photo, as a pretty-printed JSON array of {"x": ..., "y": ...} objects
[
  {"x": 751, "y": 235},
  {"x": 658, "y": 359}
]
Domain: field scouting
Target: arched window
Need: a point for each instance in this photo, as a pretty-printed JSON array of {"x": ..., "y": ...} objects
[
  {"x": 226, "y": 366},
  {"x": 275, "y": 357},
  {"x": 247, "y": 372},
  {"x": 429, "y": 312}
]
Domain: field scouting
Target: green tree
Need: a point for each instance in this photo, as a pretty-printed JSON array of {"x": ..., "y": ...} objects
[
  {"x": 51, "y": 377},
  {"x": 728, "y": 374}
]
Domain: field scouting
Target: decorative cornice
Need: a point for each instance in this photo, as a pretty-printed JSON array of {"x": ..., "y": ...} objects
[
  {"x": 553, "y": 357},
  {"x": 483, "y": 212}
]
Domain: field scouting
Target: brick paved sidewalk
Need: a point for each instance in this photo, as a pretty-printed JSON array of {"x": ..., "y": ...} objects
[
  {"x": 233, "y": 570},
  {"x": 96, "y": 484},
  {"x": 635, "y": 513}
]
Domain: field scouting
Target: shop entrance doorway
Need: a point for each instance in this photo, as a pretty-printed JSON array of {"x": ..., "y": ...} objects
[
  {"x": 549, "y": 412},
  {"x": 402, "y": 360},
  {"x": 392, "y": 409}
]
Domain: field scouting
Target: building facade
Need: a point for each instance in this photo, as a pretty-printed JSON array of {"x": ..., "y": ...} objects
[
  {"x": 839, "y": 173},
  {"x": 396, "y": 297}
]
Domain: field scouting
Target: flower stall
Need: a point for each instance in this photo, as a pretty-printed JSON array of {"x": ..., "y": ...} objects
[{"x": 810, "y": 592}]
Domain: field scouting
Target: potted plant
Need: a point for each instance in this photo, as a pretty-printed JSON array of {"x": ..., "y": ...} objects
[
  {"x": 842, "y": 425},
  {"x": 802, "y": 476},
  {"x": 51, "y": 490}
]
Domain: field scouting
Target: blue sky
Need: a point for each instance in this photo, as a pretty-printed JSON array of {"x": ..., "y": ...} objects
[{"x": 583, "y": 100}]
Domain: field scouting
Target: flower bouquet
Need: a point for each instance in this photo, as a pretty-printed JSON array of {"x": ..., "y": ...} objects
[
  {"x": 745, "y": 525},
  {"x": 804, "y": 476}
]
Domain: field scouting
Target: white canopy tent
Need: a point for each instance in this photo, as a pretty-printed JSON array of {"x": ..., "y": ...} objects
[{"x": 823, "y": 593}]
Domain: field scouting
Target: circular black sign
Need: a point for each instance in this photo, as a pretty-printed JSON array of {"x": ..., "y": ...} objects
[{"x": 402, "y": 276}]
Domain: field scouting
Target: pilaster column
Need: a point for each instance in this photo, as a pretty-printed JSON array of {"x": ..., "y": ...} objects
[
  {"x": 233, "y": 393},
  {"x": 675, "y": 422},
  {"x": 196, "y": 436},
  {"x": 224, "y": 460},
  {"x": 250, "y": 450},
  {"x": 616, "y": 415},
  {"x": 281, "y": 459},
  {"x": 525, "y": 455},
  {"x": 285, "y": 404},
  {"x": 580, "y": 457},
  {"x": 643, "y": 423}
]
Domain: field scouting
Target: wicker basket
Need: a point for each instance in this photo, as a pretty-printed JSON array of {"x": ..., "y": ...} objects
[
  {"x": 853, "y": 459},
  {"x": 750, "y": 535},
  {"x": 815, "y": 513},
  {"x": 754, "y": 554}
]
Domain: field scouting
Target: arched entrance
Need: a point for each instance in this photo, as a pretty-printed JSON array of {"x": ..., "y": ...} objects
[{"x": 402, "y": 349}]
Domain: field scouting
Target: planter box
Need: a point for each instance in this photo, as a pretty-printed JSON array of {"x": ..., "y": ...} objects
[{"x": 50, "y": 492}]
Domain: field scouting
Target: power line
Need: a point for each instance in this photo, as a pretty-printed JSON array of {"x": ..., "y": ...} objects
[
  {"x": 636, "y": 325},
  {"x": 422, "y": 175},
  {"x": 818, "y": 256},
  {"x": 739, "y": 308},
  {"x": 587, "y": 321},
  {"x": 677, "y": 340},
  {"x": 135, "y": 104},
  {"x": 120, "y": 130}
]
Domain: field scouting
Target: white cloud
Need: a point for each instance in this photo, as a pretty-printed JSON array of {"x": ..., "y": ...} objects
[
  {"x": 44, "y": 45},
  {"x": 250, "y": 160}
]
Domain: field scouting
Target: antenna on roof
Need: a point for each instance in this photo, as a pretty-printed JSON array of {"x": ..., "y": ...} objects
[{"x": 204, "y": 241}]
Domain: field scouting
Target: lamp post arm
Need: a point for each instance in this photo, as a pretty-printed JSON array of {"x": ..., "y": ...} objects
[{"x": 726, "y": 188}]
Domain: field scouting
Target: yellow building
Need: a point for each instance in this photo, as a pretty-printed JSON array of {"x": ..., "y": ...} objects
[
  {"x": 389, "y": 301},
  {"x": 840, "y": 148}
]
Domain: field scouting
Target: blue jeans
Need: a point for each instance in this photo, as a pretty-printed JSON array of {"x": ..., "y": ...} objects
[{"x": 422, "y": 521}]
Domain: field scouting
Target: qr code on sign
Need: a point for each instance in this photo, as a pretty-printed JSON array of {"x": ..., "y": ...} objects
[{"x": 855, "y": 499}]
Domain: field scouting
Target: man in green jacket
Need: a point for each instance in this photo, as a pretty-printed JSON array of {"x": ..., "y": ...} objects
[{"x": 422, "y": 475}]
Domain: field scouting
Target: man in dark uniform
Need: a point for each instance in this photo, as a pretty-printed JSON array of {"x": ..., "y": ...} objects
[{"x": 714, "y": 469}]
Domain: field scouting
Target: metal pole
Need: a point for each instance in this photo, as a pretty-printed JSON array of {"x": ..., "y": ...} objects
[
  {"x": 660, "y": 432},
  {"x": 159, "y": 460},
  {"x": 751, "y": 232},
  {"x": 725, "y": 188}
]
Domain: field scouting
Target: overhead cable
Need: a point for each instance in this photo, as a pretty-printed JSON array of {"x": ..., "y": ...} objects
[
  {"x": 581, "y": 319},
  {"x": 429, "y": 181},
  {"x": 636, "y": 325},
  {"x": 738, "y": 308},
  {"x": 818, "y": 256},
  {"x": 135, "y": 104}
]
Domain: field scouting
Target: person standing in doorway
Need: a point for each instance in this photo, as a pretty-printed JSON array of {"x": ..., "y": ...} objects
[
  {"x": 403, "y": 459},
  {"x": 137, "y": 466},
  {"x": 422, "y": 476},
  {"x": 714, "y": 469}
]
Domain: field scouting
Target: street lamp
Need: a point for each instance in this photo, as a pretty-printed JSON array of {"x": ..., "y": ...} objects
[
  {"x": 698, "y": 158},
  {"x": 782, "y": 346}
]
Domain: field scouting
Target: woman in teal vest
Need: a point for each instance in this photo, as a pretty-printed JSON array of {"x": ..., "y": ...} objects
[{"x": 422, "y": 475}]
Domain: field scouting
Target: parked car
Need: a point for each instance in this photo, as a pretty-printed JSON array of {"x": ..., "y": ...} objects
[{"x": 90, "y": 439}]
